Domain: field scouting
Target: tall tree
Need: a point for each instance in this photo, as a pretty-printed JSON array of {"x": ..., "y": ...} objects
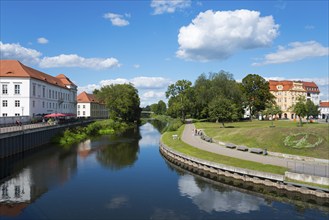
[
  {"x": 257, "y": 93},
  {"x": 222, "y": 110},
  {"x": 180, "y": 97},
  {"x": 300, "y": 108},
  {"x": 312, "y": 109},
  {"x": 162, "y": 108},
  {"x": 122, "y": 101}
]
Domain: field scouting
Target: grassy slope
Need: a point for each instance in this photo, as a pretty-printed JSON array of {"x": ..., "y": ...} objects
[
  {"x": 259, "y": 134},
  {"x": 182, "y": 147}
]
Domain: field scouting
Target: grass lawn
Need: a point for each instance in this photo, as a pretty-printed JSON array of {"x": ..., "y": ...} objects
[
  {"x": 311, "y": 140},
  {"x": 182, "y": 147}
]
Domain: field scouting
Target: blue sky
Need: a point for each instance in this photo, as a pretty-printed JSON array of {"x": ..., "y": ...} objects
[{"x": 155, "y": 43}]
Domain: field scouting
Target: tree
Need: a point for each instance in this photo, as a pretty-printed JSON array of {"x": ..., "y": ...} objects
[
  {"x": 222, "y": 109},
  {"x": 122, "y": 101},
  {"x": 257, "y": 93},
  {"x": 312, "y": 109},
  {"x": 300, "y": 108},
  {"x": 181, "y": 98},
  {"x": 162, "y": 108},
  {"x": 273, "y": 110}
]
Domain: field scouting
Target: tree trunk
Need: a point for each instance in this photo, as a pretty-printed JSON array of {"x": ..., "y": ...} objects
[{"x": 223, "y": 124}]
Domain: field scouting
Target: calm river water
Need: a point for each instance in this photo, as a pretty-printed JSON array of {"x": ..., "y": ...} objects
[{"x": 127, "y": 178}]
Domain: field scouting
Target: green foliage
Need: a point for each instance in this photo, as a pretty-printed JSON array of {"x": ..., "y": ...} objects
[
  {"x": 159, "y": 108},
  {"x": 79, "y": 134},
  {"x": 222, "y": 109},
  {"x": 181, "y": 99},
  {"x": 122, "y": 100},
  {"x": 300, "y": 109},
  {"x": 257, "y": 93}
]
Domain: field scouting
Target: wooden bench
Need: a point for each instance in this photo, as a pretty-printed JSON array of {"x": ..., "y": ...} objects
[
  {"x": 256, "y": 150},
  {"x": 242, "y": 148},
  {"x": 229, "y": 145}
]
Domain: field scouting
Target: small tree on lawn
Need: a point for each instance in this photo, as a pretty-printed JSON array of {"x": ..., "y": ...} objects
[
  {"x": 300, "y": 108},
  {"x": 222, "y": 109},
  {"x": 272, "y": 109}
]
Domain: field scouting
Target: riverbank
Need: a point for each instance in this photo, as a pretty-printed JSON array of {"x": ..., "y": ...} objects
[
  {"x": 102, "y": 127},
  {"x": 193, "y": 146}
]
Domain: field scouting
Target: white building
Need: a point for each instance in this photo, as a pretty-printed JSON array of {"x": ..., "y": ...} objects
[
  {"x": 29, "y": 92},
  {"x": 90, "y": 107},
  {"x": 324, "y": 110}
]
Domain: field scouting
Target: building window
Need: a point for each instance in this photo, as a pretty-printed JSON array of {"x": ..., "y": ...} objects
[
  {"x": 84, "y": 113},
  {"x": 33, "y": 89},
  {"x": 78, "y": 112},
  {"x": 17, "y": 89},
  {"x": 4, "y": 103},
  {"x": 83, "y": 106},
  {"x": 4, "y": 114},
  {"x": 17, "y": 103},
  {"x": 4, "y": 89},
  {"x": 43, "y": 92},
  {"x": 43, "y": 104},
  {"x": 78, "y": 106},
  {"x": 49, "y": 94},
  {"x": 33, "y": 103}
]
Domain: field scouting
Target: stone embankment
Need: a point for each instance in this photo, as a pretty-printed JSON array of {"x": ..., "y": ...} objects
[{"x": 257, "y": 177}]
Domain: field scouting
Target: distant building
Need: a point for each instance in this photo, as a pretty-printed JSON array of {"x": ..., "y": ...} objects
[
  {"x": 324, "y": 110},
  {"x": 29, "y": 92},
  {"x": 90, "y": 107},
  {"x": 287, "y": 93}
]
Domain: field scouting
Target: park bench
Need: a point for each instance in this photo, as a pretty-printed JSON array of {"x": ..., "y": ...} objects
[
  {"x": 256, "y": 150},
  {"x": 229, "y": 145},
  {"x": 242, "y": 148}
]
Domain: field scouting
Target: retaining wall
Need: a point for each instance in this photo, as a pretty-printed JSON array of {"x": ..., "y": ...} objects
[{"x": 273, "y": 180}]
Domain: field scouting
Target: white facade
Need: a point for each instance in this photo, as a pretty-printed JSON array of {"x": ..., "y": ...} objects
[
  {"x": 29, "y": 97},
  {"x": 91, "y": 110}
]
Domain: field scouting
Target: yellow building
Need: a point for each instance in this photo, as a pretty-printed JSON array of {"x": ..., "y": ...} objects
[{"x": 287, "y": 92}]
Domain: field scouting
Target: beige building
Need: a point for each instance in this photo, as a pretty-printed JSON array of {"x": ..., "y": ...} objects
[
  {"x": 90, "y": 107},
  {"x": 287, "y": 92}
]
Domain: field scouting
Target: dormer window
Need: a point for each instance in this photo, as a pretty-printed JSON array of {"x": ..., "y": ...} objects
[{"x": 279, "y": 87}]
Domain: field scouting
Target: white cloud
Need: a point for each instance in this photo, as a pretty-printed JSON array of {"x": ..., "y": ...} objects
[
  {"x": 209, "y": 200},
  {"x": 136, "y": 66},
  {"x": 33, "y": 57},
  {"x": 309, "y": 27},
  {"x": 42, "y": 40},
  {"x": 217, "y": 35},
  {"x": 73, "y": 60},
  {"x": 294, "y": 52},
  {"x": 169, "y": 6},
  {"x": 117, "y": 20},
  {"x": 151, "y": 89},
  {"x": 17, "y": 52}
]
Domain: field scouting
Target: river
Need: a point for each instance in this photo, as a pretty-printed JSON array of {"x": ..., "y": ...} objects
[{"x": 126, "y": 177}]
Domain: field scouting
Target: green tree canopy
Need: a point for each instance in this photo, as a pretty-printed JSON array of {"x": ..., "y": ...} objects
[
  {"x": 257, "y": 93},
  {"x": 181, "y": 99},
  {"x": 122, "y": 101},
  {"x": 222, "y": 110},
  {"x": 300, "y": 108}
]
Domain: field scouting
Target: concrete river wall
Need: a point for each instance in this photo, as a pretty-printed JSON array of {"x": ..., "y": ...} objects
[
  {"x": 25, "y": 139},
  {"x": 256, "y": 177}
]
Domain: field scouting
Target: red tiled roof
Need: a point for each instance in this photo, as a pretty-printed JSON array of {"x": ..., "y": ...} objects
[
  {"x": 14, "y": 68},
  {"x": 288, "y": 85},
  {"x": 86, "y": 98},
  {"x": 324, "y": 104}
]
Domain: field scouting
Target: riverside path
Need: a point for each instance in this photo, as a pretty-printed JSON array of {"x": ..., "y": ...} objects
[{"x": 304, "y": 167}]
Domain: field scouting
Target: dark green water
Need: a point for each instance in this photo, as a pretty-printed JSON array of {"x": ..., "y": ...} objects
[{"x": 127, "y": 178}]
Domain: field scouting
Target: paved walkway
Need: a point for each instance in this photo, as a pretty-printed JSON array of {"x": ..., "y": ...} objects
[{"x": 311, "y": 168}]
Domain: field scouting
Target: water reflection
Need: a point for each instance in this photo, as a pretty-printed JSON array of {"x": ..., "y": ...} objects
[
  {"x": 121, "y": 151},
  {"x": 150, "y": 136},
  {"x": 220, "y": 200},
  {"x": 31, "y": 182}
]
